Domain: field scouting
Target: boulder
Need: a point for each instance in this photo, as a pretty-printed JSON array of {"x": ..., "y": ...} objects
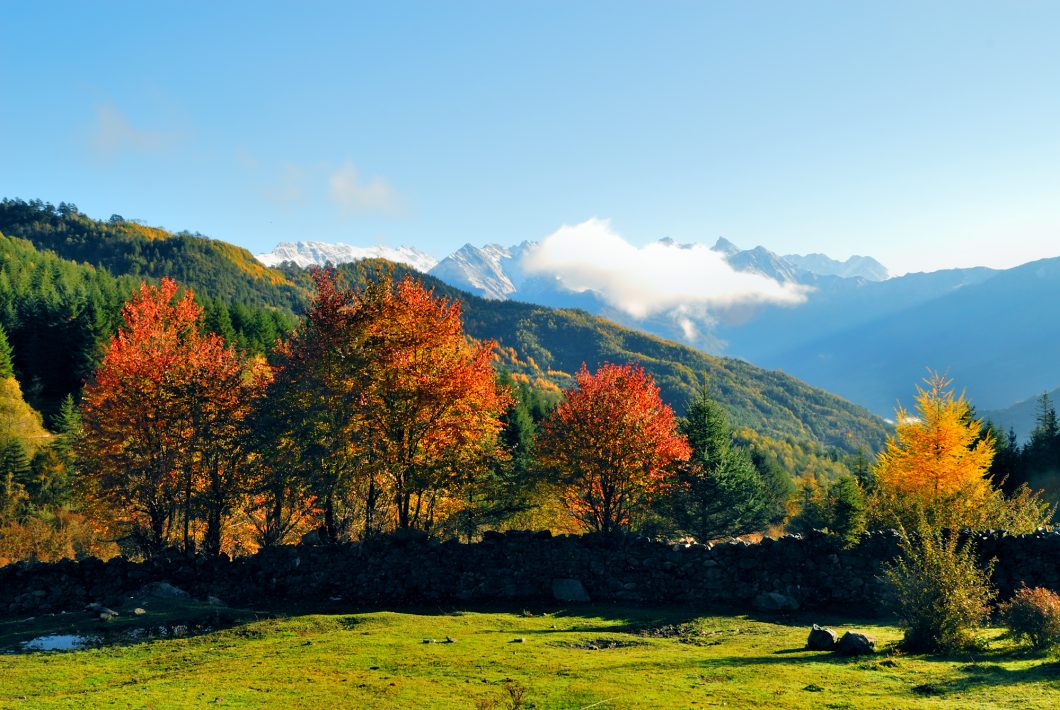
[
  {"x": 406, "y": 535},
  {"x": 569, "y": 590},
  {"x": 821, "y": 639},
  {"x": 318, "y": 536},
  {"x": 216, "y": 601},
  {"x": 772, "y": 601},
  {"x": 164, "y": 590},
  {"x": 855, "y": 643}
]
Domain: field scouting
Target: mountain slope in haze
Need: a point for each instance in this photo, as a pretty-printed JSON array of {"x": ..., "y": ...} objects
[
  {"x": 1022, "y": 417},
  {"x": 997, "y": 334},
  {"x": 855, "y": 267}
]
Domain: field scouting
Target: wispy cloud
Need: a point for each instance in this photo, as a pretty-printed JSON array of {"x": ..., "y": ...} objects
[
  {"x": 660, "y": 278},
  {"x": 290, "y": 187},
  {"x": 346, "y": 189},
  {"x": 110, "y": 135}
]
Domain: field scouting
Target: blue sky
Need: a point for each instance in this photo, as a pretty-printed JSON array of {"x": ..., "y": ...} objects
[{"x": 924, "y": 134}]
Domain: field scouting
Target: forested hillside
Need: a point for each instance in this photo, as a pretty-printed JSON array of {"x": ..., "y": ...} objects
[
  {"x": 74, "y": 307},
  {"x": 58, "y": 315},
  {"x": 125, "y": 247}
]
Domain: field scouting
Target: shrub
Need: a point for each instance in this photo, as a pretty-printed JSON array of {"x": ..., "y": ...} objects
[
  {"x": 1034, "y": 615},
  {"x": 939, "y": 592}
]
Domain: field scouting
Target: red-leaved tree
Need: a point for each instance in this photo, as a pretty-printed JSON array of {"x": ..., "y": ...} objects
[
  {"x": 135, "y": 421},
  {"x": 610, "y": 444},
  {"x": 164, "y": 452}
]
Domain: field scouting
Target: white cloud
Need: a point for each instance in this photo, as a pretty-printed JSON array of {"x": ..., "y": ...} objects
[
  {"x": 684, "y": 283},
  {"x": 111, "y": 134},
  {"x": 347, "y": 189}
]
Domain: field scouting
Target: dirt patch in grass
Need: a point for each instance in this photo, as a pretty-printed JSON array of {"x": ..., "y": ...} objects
[{"x": 599, "y": 644}]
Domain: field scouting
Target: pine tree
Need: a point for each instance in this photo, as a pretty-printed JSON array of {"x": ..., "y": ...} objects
[
  {"x": 1047, "y": 428},
  {"x": 722, "y": 494},
  {"x": 1041, "y": 455},
  {"x": 6, "y": 370},
  {"x": 848, "y": 509},
  {"x": 861, "y": 468}
]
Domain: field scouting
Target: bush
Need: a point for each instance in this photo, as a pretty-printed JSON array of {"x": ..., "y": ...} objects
[
  {"x": 1034, "y": 615},
  {"x": 939, "y": 592}
]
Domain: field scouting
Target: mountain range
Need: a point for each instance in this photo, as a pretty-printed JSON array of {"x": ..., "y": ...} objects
[
  {"x": 49, "y": 254},
  {"x": 860, "y": 332},
  {"x": 320, "y": 253}
]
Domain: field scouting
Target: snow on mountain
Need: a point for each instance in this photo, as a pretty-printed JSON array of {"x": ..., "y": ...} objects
[
  {"x": 491, "y": 271},
  {"x": 726, "y": 247},
  {"x": 856, "y": 266},
  {"x": 792, "y": 268},
  {"x": 477, "y": 270},
  {"x": 307, "y": 253}
]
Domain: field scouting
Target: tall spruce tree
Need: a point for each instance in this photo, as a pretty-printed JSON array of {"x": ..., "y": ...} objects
[{"x": 721, "y": 492}]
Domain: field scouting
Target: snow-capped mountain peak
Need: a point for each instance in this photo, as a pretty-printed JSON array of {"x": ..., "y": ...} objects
[
  {"x": 308, "y": 253},
  {"x": 491, "y": 271},
  {"x": 856, "y": 266}
]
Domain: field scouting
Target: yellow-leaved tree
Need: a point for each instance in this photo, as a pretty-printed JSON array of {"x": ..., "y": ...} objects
[{"x": 935, "y": 471}]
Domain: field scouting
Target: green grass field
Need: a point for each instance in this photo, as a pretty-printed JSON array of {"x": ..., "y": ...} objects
[{"x": 590, "y": 656}]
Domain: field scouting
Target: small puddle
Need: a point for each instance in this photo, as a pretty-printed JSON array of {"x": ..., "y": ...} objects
[{"x": 59, "y": 642}]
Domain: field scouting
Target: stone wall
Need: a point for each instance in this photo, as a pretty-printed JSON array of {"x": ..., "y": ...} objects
[{"x": 517, "y": 565}]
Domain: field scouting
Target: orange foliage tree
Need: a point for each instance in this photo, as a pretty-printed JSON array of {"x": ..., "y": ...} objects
[
  {"x": 390, "y": 398},
  {"x": 162, "y": 439},
  {"x": 935, "y": 469},
  {"x": 611, "y": 444},
  {"x": 219, "y": 395},
  {"x": 432, "y": 412}
]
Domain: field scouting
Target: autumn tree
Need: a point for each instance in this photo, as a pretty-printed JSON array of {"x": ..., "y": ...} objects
[
  {"x": 396, "y": 402},
  {"x": 611, "y": 445},
  {"x": 432, "y": 412},
  {"x": 935, "y": 467},
  {"x": 219, "y": 395},
  {"x": 161, "y": 417},
  {"x": 312, "y": 415}
]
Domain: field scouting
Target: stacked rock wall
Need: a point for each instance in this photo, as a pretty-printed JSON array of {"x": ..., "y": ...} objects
[{"x": 516, "y": 565}]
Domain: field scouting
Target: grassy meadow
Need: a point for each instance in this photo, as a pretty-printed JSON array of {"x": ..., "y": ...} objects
[{"x": 543, "y": 656}]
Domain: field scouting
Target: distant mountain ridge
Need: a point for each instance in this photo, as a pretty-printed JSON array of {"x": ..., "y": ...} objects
[
  {"x": 320, "y": 253},
  {"x": 492, "y": 270},
  {"x": 996, "y": 332},
  {"x": 856, "y": 266},
  {"x": 861, "y": 332}
]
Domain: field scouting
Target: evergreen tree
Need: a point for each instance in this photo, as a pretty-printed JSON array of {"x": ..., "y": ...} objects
[
  {"x": 777, "y": 482},
  {"x": 215, "y": 319},
  {"x": 1040, "y": 457},
  {"x": 848, "y": 509},
  {"x": 1045, "y": 418},
  {"x": 721, "y": 493},
  {"x": 1006, "y": 470},
  {"x": 861, "y": 469},
  {"x": 6, "y": 370}
]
